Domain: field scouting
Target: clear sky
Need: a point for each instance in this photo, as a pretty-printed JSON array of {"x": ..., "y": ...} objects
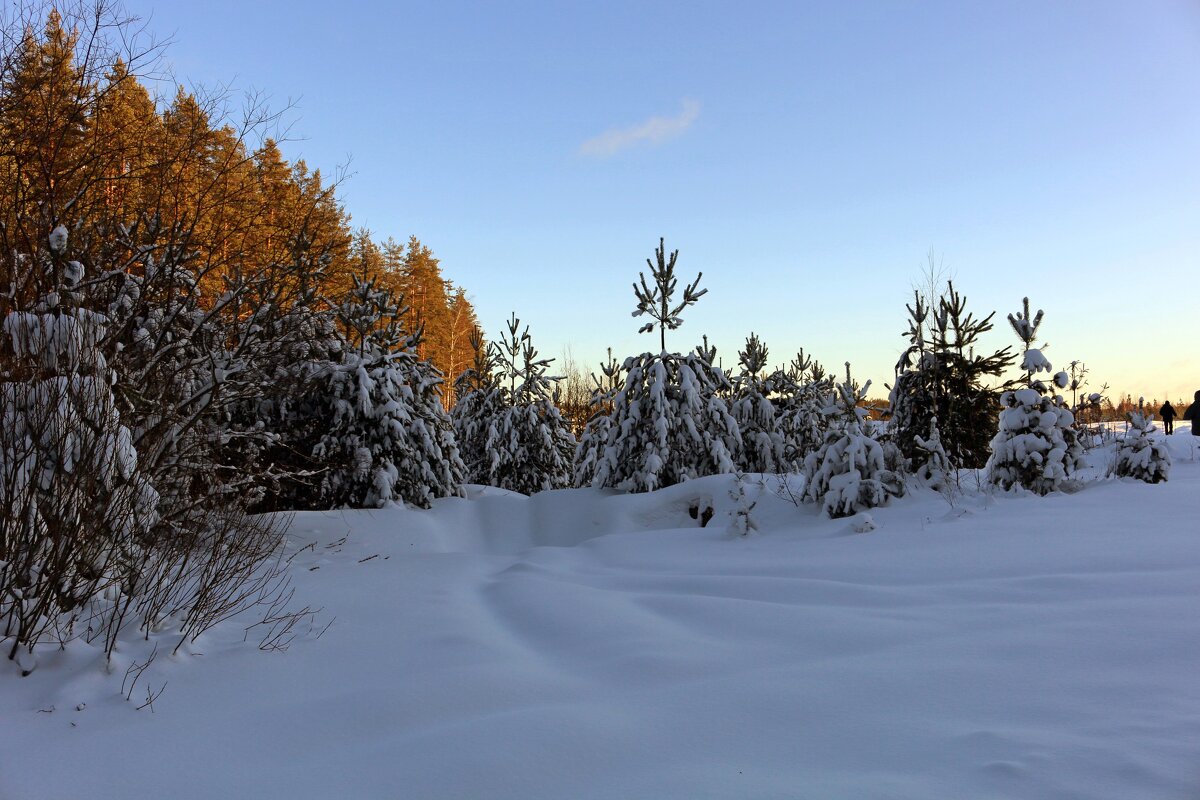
[{"x": 805, "y": 156}]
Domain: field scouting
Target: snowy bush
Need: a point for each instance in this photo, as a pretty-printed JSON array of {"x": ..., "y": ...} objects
[
  {"x": 122, "y": 381},
  {"x": 1139, "y": 455},
  {"x": 115, "y": 508},
  {"x": 77, "y": 510},
  {"x": 1031, "y": 448},
  {"x": 847, "y": 474},
  {"x": 1037, "y": 446}
]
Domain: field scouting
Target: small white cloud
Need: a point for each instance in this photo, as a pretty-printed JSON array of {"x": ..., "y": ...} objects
[{"x": 655, "y": 130}]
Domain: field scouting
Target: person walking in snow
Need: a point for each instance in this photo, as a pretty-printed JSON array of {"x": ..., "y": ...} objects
[
  {"x": 1193, "y": 414},
  {"x": 1167, "y": 412}
]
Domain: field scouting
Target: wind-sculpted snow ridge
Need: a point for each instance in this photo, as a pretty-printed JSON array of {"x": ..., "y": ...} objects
[{"x": 588, "y": 644}]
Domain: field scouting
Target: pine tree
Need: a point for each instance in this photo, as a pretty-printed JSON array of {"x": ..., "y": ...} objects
[
  {"x": 278, "y": 199},
  {"x": 763, "y": 443},
  {"x": 45, "y": 98},
  {"x": 1036, "y": 446},
  {"x": 669, "y": 422},
  {"x": 129, "y": 131},
  {"x": 594, "y": 439},
  {"x": 480, "y": 400},
  {"x": 425, "y": 289},
  {"x": 528, "y": 446},
  {"x": 1139, "y": 455},
  {"x": 657, "y": 302},
  {"x": 847, "y": 473},
  {"x": 321, "y": 231},
  {"x": 804, "y": 391}
]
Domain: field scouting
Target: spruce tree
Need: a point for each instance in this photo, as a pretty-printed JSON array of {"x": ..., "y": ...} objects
[
  {"x": 941, "y": 382},
  {"x": 387, "y": 438},
  {"x": 1036, "y": 446}
]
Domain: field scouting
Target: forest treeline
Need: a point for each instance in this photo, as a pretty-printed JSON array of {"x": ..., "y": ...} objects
[{"x": 87, "y": 146}]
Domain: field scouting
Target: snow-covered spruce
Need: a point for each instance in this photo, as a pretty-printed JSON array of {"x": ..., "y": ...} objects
[
  {"x": 479, "y": 400},
  {"x": 1037, "y": 446},
  {"x": 763, "y": 447},
  {"x": 388, "y": 437},
  {"x": 594, "y": 437},
  {"x": 527, "y": 446},
  {"x": 669, "y": 422},
  {"x": 802, "y": 392},
  {"x": 1139, "y": 455},
  {"x": 847, "y": 474}
]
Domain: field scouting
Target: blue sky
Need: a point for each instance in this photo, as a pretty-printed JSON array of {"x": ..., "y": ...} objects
[{"x": 805, "y": 156}]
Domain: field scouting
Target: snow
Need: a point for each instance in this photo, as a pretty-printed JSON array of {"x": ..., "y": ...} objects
[
  {"x": 58, "y": 239},
  {"x": 1035, "y": 361},
  {"x": 588, "y": 644}
]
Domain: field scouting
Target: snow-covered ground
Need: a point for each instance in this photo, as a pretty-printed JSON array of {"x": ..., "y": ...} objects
[{"x": 580, "y": 644}]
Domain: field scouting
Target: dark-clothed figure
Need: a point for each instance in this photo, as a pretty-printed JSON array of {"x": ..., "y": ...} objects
[
  {"x": 1193, "y": 414},
  {"x": 1167, "y": 413}
]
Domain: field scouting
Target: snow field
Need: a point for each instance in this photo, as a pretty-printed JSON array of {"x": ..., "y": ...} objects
[{"x": 585, "y": 644}]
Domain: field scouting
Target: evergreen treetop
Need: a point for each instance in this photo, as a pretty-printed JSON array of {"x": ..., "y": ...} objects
[
  {"x": 657, "y": 302},
  {"x": 941, "y": 378}
]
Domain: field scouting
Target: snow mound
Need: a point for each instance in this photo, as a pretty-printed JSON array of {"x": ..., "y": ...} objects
[{"x": 497, "y": 521}]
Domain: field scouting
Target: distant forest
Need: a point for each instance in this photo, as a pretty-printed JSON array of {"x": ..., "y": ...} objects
[{"x": 85, "y": 143}]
